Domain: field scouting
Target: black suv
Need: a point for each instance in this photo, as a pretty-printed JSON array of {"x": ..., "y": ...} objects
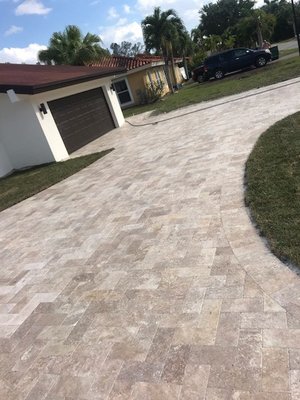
[{"x": 229, "y": 61}]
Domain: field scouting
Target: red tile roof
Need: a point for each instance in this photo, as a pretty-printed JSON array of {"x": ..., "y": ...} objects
[
  {"x": 129, "y": 62},
  {"x": 31, "y": 79},
  {"x": 126, "y": 62}
]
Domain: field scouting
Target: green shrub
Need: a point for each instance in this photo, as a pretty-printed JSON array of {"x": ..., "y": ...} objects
[{"x": 151, "y": 93}]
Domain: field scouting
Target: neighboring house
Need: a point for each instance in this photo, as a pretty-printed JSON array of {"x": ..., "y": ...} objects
[
  {"x": 47, "y": 112},
  {"x": 142, "y": 73}
]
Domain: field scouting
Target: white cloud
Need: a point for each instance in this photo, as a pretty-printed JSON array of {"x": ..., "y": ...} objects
[
  {"x": 188, "y": 11},
  {"x": 19, "y": 55},
  {"x": 112, "y": 13},
  {"x": 259, "y": 3},
  {"x": 32, "y": 7},
  {"x": 126, "y": 9},
  {"x": 13, "y": 30},
  {"x": 121, "y": 21},
  {"x": 131, "y": 32},
  {"x": 191, "y": 16},
  {"x": 95, "y": 2},
  {"x": 148, "y": 5}
]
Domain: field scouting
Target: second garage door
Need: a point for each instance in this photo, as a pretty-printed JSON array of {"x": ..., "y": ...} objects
[{"x": 81, "y": 118}]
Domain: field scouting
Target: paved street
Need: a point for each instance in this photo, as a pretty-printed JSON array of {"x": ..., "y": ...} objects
[
  {"x": 142, "y": 277},
  {"x": 290, "y": 44}
]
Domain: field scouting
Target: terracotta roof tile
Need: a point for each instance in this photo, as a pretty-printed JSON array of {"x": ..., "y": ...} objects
[
  {"x": 129, "y": 62},
  {"x": 126, "y": 62}
]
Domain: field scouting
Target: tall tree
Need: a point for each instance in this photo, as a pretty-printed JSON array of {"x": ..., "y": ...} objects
[
  {"x": 160, "y": 32},
  {"x": 254, "y": 28},
  {"x": 72, "y": 47},
  {"x": 282, "y": 10},
  {"x": 183, "y": 46},
  {"x": 217, "y": 17},
  {"x": 126, "y": 49}
]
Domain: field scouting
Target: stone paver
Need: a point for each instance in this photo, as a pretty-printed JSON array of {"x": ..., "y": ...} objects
[{"x": 142, "y": 278}]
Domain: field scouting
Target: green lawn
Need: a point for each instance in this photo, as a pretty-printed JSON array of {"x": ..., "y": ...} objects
[
  {"x": 193, "y": 93},
  {"x": 287, "y": 52},
  {"x": 23, "y": 184},
  {"x": 273, "y": 187}
]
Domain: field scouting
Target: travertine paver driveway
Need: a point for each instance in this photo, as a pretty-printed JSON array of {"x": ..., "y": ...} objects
[{"x": 142, "y": 278}]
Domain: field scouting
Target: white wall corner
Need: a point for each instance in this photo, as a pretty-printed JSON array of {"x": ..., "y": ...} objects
[
  {"x": 51, "y": 132},
  {"x": 5, "y": 164},
  {"x": 113, "y": 104}
]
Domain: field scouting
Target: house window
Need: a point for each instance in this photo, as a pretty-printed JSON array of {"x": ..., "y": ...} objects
[{"x": 123, "y": 92}]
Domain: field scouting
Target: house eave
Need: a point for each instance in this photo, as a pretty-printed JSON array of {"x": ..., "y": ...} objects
[{"x": 36, "y": 89}]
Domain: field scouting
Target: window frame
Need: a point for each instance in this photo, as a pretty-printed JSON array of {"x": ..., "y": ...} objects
[{"x": 128, "y": 103}]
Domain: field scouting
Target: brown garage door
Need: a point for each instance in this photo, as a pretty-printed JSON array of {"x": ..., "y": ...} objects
[{"x": 81, "y": 118}]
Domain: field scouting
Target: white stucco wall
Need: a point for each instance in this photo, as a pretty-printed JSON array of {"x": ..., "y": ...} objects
[
  {"x": 5, "y": 165},
  {"x": 21, "y": 134},
  {"x": 29, "y": 137},
  {"x": 50, "y": 131},
  {"x": 114, "y": 105}
]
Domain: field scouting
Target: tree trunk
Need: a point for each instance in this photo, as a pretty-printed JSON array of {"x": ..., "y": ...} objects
[
  {"x": 173, "y": 67},
  {"x": 167, "y": 70},
  {"x": 259, "y": 35},
  {"x": 173, "y": 72},
  {"x": 294, "y": 29}
]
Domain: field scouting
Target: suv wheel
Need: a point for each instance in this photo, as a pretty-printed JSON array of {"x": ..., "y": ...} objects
[
  {"x": 261, "y": 61},
  {"x": 200, "y": 78},
  {"x": 219, "y": 74}
]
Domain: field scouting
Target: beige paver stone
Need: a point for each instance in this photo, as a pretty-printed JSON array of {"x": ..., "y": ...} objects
[
  {"x": 251, "y": 288},
  {"x": 217, "y": 394},
  {"x": 228, "y": 329},
  {"x": 71, "y": 386},
  {"x": 290, "y": 293},
  {"x": 195, "y": 382},
  {"x": 294, "y": 356},
  {"x": 264, "y": 320},
  {"x": 103, "y": 383},
  {"x": 286, "y": 338},
  {"x": 254, "y": 304},
  {"x": 293, "y": 315},
  {"x": 275, "y": 376},
  {"x": 175, "y": 364},
  {"x": 142, "y": 277},
  {"x": 160, "y": 345},
  {"x": 270, "y": 305},
  {"x": 43, "y": 387},
  {"x": 149, "y": 391}
]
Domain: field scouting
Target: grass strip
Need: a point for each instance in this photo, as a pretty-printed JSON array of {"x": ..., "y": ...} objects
[
  {"x": 273, "y": 187},
  {"x": 193, "y": 93},
  {"x": 26, "y": 183}
]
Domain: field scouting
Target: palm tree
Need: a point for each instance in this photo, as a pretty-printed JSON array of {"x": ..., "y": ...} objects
[
  {"x": 212, "y": 43},
  {"x": 72, "y": 47},
  {"x": 254, "y": 28},
  {"x": 160, "y": 31},
  {"x": 184, "y": 47}
]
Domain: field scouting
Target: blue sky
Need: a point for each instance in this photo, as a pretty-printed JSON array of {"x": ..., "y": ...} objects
[{"x": 26, "y": 25}]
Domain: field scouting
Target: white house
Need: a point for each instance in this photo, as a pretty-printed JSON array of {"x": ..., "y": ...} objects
[{"x": 47, "y": 112}]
